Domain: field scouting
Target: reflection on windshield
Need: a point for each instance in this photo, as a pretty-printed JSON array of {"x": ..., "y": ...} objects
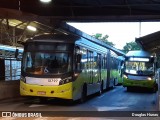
[
  {"x": 46, "y": 63},
  {"x": 139, "y": 68}
]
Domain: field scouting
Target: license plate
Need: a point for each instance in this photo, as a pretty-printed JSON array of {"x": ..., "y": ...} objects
[{"x": 41, "y": 93}]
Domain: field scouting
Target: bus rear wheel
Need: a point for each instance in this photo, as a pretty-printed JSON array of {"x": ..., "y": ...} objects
[
  {"x": 129, "y": 89},
  {"x": 42, "y": 99}
]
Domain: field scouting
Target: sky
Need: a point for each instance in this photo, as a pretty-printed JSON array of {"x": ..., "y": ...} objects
[{"x": 119, "y": 33}]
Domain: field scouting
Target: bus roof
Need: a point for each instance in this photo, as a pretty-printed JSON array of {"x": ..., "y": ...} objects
[
  {"x": 138, "y": 53},
  {"x": 49, "y": 37},
  {"x": 70, "y": 35}
]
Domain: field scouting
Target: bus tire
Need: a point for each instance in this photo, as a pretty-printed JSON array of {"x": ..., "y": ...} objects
[
  {"x": 42, "y": 99},
  {"x": 83, "y": 94}
]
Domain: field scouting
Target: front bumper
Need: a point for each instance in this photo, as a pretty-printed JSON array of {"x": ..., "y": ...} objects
[
  {"x": 138, "y": 83},
  {"x": 62, "y": 91}
]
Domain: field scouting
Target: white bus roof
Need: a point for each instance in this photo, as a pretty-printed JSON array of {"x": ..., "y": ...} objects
[{"x": 138, "y": 53}]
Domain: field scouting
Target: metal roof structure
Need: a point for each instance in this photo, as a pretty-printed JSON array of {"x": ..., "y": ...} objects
[
  {"x": 16, "y": 15},
  {"x": 150, "y": 42},
  {"x": 86, "y": 10},
  {"x": 13, "y": 32}
]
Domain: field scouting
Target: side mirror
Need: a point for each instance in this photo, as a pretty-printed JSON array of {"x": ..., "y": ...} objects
[
  {"x": 16, "y": 53},
  {"x": 156, "y": 64},
  {"x": 152, "y": 59},
  {"x": 79, "y": 58},
  {"x": 122, "y": 67}
]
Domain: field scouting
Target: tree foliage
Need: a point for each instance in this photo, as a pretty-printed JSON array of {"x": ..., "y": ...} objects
[
  {"x": 103, "y": 38},
  {"x": 131, "y": 46}
]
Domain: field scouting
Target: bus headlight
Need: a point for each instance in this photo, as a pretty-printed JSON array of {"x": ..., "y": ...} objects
[
  {"x": 65, "y": 80},
  {"x": 23, "y": 79},
  {"x": 149, "y": 78},
  {"x": 125, "y": 76}
]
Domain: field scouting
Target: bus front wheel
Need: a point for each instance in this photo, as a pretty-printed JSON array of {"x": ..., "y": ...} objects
[{"x": 43, "y": 99}]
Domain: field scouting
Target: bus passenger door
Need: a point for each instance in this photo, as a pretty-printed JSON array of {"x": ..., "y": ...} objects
[
  {"x": 108, "y": 69},
  {"x": 104, "y": 69},
  {"x": 99, "y": 67},
  {"x": 90, "y": 66}
]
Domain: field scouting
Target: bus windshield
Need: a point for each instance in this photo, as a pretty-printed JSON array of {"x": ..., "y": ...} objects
[
  {"x": 46, "y": 63},
  {"x": 139, "y": 68}
]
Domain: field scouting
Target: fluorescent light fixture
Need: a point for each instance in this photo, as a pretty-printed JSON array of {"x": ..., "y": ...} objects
[
  {"x": 10, "y": 48},
  {"x": 32, "y": 28},
  {"x": 46, "y": 1},
  {"x": 139, "y": 59}
]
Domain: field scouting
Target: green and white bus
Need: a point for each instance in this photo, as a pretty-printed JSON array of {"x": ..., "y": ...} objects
[
  {"x": 121, "y": 60},
  {"x": 139, "y": 70}
]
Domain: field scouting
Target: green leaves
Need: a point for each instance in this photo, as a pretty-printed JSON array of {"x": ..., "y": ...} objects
[
  {"x": 103, "y": 38},
  {"x": 131, "y": 46}
]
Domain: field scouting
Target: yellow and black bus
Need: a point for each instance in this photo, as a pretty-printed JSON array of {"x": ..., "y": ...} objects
[
  {"x": 139, "y": 70},
  {"x": 66, "y": 66}
]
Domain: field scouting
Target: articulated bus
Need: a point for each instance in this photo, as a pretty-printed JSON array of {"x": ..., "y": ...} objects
[
  {"x": 66, "y": 67},
  {"x": 139, "y": 70}
]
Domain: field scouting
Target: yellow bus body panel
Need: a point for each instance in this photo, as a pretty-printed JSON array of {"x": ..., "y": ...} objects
[{"x": 62, "y": 91}]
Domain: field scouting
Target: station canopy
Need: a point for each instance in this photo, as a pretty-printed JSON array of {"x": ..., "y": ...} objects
[
  {"x": 85, "y": 10},
  {"x": 150, "y": 43}
]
